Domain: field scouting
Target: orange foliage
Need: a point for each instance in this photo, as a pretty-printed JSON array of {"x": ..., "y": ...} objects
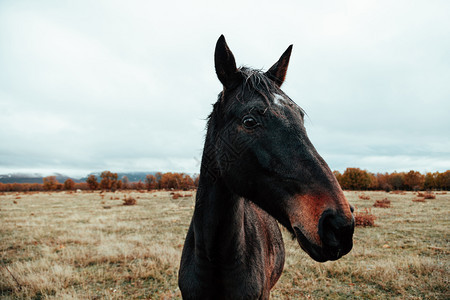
[
  {"x": 109, "y": 180},
  {"x": 364, "y": 219},
  {"x": 352, "y": 179},
  {"x": 69, "y": 184},
  {"x": 50, "y": 183},
  {"x": 92, "y": 182}
]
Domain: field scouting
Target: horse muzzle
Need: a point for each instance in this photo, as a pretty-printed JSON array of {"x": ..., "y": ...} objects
[{"x": 335, "y": 237}]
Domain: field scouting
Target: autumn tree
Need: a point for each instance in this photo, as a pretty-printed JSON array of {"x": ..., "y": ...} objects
[
  {"x": 138, "y": 185},
  {"x": 119, "y": 185},
  {"x": 355, "y": 179},
  {"x": 69, "y": 184},
  {"x": 413, "y": 180},
  {"x": 150, "y": 182},
  {"x": 50, "y": 183},
  {"x": 109, "y": 180},
  {"x": 430, "y": 181},
  {"x": 396, "y": 180},
  {"x": 187, "y": 182},
  {"x": 383, "y": 182},
  {"x": 92, "y": 182},
  {"x": 176, "y": 181},
  {"x": 443, "y": 180},
  {"x": 170, "y": 180}
]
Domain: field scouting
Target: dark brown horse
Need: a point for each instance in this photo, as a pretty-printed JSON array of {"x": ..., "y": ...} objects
[{"x": 258, "y": 167}]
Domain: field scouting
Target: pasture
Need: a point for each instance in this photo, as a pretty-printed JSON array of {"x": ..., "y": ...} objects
[{"x": 89, "y": 245}]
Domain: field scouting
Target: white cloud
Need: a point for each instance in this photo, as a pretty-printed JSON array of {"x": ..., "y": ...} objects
[{"x": 114, "y": 85}]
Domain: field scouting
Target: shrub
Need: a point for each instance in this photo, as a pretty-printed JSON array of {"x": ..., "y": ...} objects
[
  {"x": 364, "y": 219},
  {"x": 176, "y": 195},
  {"x": 385, "y": 203},
  {"x": 129, "y": 201},
  {"x": 429, "y": 195},
  {"x": 364, "y": 197}
]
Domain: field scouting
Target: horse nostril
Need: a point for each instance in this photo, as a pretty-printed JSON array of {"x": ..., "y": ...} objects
[
  {"x": 328, "y": 230},
  {"x": 352, "y": 209},
  {"x": 335, "y": 231}
]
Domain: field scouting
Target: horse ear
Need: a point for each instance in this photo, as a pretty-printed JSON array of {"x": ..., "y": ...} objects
[
  {"x": 278, "y": 71},
  {"x": 225, "y": 64}
]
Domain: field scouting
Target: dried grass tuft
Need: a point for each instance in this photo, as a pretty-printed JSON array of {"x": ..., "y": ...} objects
[
  {"x": 398, "y": 192},
  {"x": 129, "y": 200},
  {"x": 419, "y": 200},
  {"x": 385, "y": 203},
  {"x": 364, "y": 218},
  {"x": 429, "y": 195},
  {"x": 176, "y": 195},
  {"x": 364, "y": 197}
]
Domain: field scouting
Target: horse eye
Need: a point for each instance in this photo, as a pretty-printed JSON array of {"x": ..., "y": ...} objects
[{"x": 249, "y": 122}]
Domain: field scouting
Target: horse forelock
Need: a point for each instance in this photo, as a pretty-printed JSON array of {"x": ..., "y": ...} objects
[{"x": 255, "y": 84}]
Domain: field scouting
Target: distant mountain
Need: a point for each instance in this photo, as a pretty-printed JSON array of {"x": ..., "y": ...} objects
[
  {"x": 38, "y": 178},
  {"x": 132, "y": 176},
  {"x": 32, "y": 178}
]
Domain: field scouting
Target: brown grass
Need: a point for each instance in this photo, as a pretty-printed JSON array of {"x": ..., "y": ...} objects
[
  {"x": 364, "y": 197},
  {"x": 176, "y": 195},
  {"x": 129, "y": 200},
  {"x": 419, "y": 200},
  {"x": 385, "y": 203},
  {"x": 364, "y": 218},
  {"x": 73, "y": 248},
  {"x": 398, "y": 192},
  {"x": 429, "y": 195}
]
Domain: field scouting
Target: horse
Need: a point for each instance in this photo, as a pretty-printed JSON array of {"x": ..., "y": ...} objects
[{"x": 258, "y": 169}]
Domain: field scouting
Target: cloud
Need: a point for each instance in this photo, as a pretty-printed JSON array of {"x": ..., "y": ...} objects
[{"x": 108, "y": 85}]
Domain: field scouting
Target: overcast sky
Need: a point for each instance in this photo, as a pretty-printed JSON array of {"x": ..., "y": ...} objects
[{"x": 127, "y": 85}]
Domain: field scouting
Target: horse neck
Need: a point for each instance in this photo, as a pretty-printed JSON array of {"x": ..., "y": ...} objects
[{"x": 218, "y": 221}]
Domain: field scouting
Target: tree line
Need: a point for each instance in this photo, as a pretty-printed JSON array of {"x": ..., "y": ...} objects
[
  {"x": 357, "y": 179},
  {"x": 108, "y": 181},
  {"x": 351, "y": 179}
]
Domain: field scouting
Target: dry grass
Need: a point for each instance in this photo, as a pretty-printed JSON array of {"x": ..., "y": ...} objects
[
  {"x": 384, "y": 203},
  {"x": 429, "y": 195},
  {"x": 364, "y": 197},
  {"x": 398, "y": 192},
  {"x": 176, "y": 195},
  {"x": 129, "y": 200},
  {"x": 426, "y": 195},
  {"x": 364, "y": 218},
  {"x": 68, "y": 246},
  {"x": 419, "y": 200}
]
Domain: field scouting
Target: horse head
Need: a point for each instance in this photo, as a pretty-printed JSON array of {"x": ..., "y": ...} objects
[{"x": 263, "y": 153}]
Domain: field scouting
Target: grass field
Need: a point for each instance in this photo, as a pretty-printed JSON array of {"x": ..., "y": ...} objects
[{"x": 89, "y": 246}]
